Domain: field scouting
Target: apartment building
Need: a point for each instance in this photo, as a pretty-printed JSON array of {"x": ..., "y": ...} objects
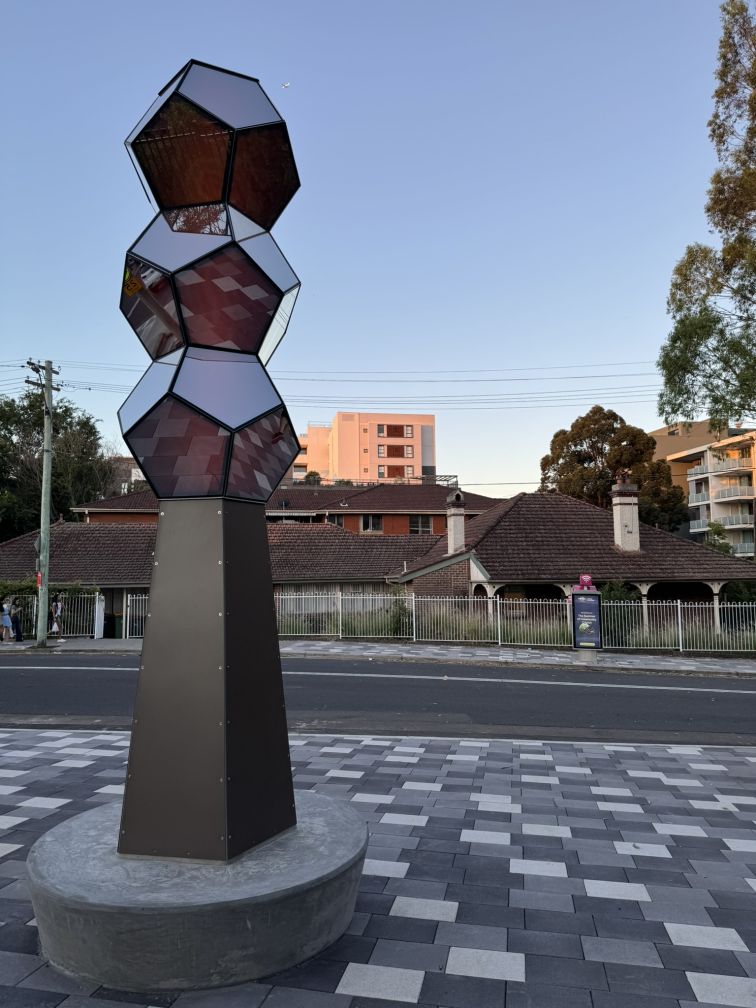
[
  {"x": 720, "y": 479},
  {"x": 369, "y": 448},
  {"x": 680, "y": 437}
]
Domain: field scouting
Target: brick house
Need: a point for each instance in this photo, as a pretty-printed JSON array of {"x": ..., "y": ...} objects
[
  {"x": 535, "y": 545},
  {"x": 388, "y": 509}
]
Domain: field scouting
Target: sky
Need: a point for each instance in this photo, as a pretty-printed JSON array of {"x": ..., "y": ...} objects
[{"x": 493, "y": 198}]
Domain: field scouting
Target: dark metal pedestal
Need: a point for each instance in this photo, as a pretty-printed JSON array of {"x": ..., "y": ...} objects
[{"x": 209, "y": 774}]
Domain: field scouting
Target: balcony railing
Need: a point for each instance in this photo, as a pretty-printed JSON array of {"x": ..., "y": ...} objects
[
  {"x": 698, "y": 470},
  {"x": 699, "y": 498},
  {"x": 743, "y": 549},
  {"x": 743, "y": 518},
  {"x": 724, "y": 465},
  {"x": 699, "y": 524},
  {"x": 734, "y": 491}
]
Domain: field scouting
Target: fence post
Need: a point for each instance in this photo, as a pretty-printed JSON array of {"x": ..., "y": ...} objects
[
  {"x": 414, "y": 621},
  {"x": 680, "y": 624},
  {"x": 498, "y": 620},
  {"x": 338, "y": 599},
  {"x": 99, "y": 617}
]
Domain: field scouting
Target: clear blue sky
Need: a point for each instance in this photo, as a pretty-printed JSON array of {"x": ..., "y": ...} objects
[{"x": 489, "y": 186}]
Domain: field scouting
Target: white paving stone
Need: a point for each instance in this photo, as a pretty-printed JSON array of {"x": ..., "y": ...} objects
[
  {"x": 678, "y": 829},
  {"x": 701, "y": 936},
  {"x": 425, "y": 909},
  {"x": 399, "y": 819},
  {"x": 485, "y": 964},
  {"x": 389, "y": 869},
  {"x": 718, "y": 989},
  {"x": 617, "y": 890},
  {"x": 485, "y": 837},
  {"x": 386, "y": 983},
  {"x": 556, "y": 869},
  {"x": 642, "y": 849}
]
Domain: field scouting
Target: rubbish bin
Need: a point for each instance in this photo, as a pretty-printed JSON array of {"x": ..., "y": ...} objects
[
  {"x": 118, "y": 621},
  {"x": 108, "y": 627}
]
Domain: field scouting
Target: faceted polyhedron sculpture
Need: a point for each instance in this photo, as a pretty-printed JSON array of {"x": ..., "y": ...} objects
[
  {"x": 214, "y": 137},
  {"x": 210, "y": 424},
  {"x": 207, "y": 290}
]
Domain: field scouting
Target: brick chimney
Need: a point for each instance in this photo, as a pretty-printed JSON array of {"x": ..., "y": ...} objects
[
  {"x": 625, "y": 512},
  {"x": 455, "y": 521}
]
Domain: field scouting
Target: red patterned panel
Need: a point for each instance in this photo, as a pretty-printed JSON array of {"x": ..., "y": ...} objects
[
  {"x": 260, "y": 456},
  {"x": 227, "y": 302},
  {"x": 181, "y": 453}
]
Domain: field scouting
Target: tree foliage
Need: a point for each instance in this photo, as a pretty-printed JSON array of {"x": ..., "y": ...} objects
[
  {"x": 716, "y": 538},
  {"x": 312, "y": 478},
  {"x": 584, "y": 462},
  {"x": 708, "y": 362},
  {"x": 80, "y": 469}
]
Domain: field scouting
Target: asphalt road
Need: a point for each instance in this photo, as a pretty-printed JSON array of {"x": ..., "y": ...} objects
[{"x": 390, "y": 698}]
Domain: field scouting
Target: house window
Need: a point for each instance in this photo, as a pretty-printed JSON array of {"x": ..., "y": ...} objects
[
  {"x": 381, "y": 450},
  {"x": 395, "y": 451},
  {"x": 381, "y": 472},
  {"x": 409, "y": 470},
  {"x": 364, "y": 451},
  {"x": 408, "y": 430},
  {"x": 335, "y": 519},
  {"x": 420, "y": 525},
  {"x": 372, "y": 523},
  {"x": 409, "y": 451},
  {"x": 395, "y": 430},
  {"x": 381, "y": 430},
  {"x": 395, "y": 472}
]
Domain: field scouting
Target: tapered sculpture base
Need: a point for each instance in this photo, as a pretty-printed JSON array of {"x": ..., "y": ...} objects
[
  {"x": 209, "y": 774},
  {"x": 146, "y": 924}
]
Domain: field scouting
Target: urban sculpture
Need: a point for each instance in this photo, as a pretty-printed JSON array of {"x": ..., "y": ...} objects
[{"x": 209, "y": 294}]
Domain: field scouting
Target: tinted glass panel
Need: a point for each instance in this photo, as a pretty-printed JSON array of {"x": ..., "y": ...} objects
[
  {"x": 181, "y": 453},
  {"x": 260, "y": 456},
  {"x": 238, "y": 101},
  {"x": 278, "y": 326},
  {"x": 210, "y": 219},
  {"x": 269, "y": 257},
  {"x": 226, "y": 301},
  {"x": 241, "y": 226},
  {"x": 148, "y": 303},
  {"x": 183, "y": 153},
  {"x": 152, "y": 386},
  {"x": 171, "y": 249},
  {"x": 232, "y": 388},
  {"x": 264, "y": 174},
  {"x": 160, "y": 100}
]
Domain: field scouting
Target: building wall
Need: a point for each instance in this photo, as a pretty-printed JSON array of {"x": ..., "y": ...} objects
[
  {"x": 351, "y": 447},
  {"x": 677, "y": 438},
  {"x": 451, "y": 580},
  {"x": 124, "y": 517}
]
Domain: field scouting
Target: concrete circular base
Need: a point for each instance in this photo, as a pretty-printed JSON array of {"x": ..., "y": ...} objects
[{"x": 146, "y": 924}]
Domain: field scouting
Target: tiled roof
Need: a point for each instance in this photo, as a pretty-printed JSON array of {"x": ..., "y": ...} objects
[
  {"x": 101, "y": 554},
  {"x": 139, "y": 500},
  {"x": 121, "y": 554},
  {"x": 325, "y": 552},
  {"x": 551, "y": 537},
  {"x": 384, "y": 498}
]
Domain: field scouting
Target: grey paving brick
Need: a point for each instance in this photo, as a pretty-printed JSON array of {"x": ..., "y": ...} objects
[
  {"x": 565, "y": 972},
  {"x": 462, "y": 991},
  {"x": 15, "y": 966},
  {"x": 532, "y": 995},
  {"x": 472, "y": 936},
  {"x": 248, "y": 995},
  {"x": 680, "y": 957},
  {"x": 647, "y": 981},
  {"x": 409, "y": 955},
  {"x": 550, "y": 943},
  {"x": 621, "y": 950}
]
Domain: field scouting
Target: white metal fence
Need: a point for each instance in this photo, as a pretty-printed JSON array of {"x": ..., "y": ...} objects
[
  {"x": 631, "y": 625},
  {"x": 79, "y": 616}
]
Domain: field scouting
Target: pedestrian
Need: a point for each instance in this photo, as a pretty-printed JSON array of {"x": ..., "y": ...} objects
[
  {"x": 56, "y": 613},
  {"x": 7, "y": 625},
  {"x": 16, "y": 613}
]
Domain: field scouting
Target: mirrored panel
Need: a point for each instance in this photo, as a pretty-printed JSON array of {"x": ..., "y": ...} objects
[
  {"x": 231, "y": 388},
  {"x": 242, "y": 227},
  {"x": 268, "y": 256},
  {"x": 151, "y": 111},
  {"x": 181, "y": 453},
  {"x": 260, "y": 455},
  {"x": 238, "y": 101},
  {"x": 264, "y": 175},
  {"x": 169, "y": 249},
  {"x": 149, "y": 305},
  {"x": 152, "y": 386},
  {"x": 226, "y": 301},
  {"x": 183, "y": 153},
  {"x": 211, "y": 219},
  {"x": 278, "y": 326}
]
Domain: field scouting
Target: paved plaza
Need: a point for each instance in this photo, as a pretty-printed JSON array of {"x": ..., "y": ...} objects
[{"x": 499, "y": 875}]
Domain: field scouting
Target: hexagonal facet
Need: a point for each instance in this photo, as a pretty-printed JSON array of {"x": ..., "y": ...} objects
[
  {"x": 232, "y": 388},
  {"x": 148, "y": 302},
  {"x": 260, "y": 455},
  {"x": 214, "y": 137},
  {"x": 181, "y": 453},
  {"x": 231, "y": 295}
]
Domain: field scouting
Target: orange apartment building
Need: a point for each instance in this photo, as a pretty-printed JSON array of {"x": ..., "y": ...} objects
[{"x": 369, "y": 447}]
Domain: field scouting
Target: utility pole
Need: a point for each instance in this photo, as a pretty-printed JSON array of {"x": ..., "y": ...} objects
[{"x": 46, "y": 386}]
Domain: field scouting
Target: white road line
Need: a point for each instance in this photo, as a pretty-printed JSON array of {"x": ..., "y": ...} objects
[
  {"x": 403, "y": 675},
  {"x": 520, "y": 682}
]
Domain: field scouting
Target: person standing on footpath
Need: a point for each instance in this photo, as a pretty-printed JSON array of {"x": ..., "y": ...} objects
[
  {"x": 6, "y": 620},
  {"x": 15, "y": 615},
  {"x": 56, "y": 614}
]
